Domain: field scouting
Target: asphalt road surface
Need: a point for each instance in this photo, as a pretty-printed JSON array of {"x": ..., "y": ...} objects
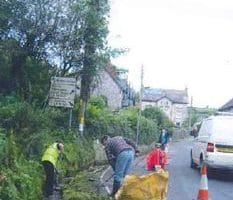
[{"x": 184, "y": 182}]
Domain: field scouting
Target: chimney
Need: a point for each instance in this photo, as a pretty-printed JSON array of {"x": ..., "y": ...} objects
[{"x": 186, "y": 90}]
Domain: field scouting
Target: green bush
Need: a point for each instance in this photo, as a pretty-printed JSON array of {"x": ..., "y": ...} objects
[
  {"x": 78, "y": 155},
  {"x": 3, "y": 144},
  {"x": 159, "y": 117},
  {"x": 149, "y": 131},
  {"x": 100, "y": 122},
  {"x": 25, "y": 134},
  {"x": 22, "y": 182}
]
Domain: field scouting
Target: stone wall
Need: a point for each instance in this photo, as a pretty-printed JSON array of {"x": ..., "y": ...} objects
[{"x": 108, "y": 87}]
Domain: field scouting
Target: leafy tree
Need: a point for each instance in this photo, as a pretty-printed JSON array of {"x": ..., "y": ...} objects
[
  {"x": 94, "y": 44},
  {"x": 69, "y": 35},
  {"x": 157, "y": 115},
  {"x": 27, "y": 32},
  {"x": 198, "y": 114}
]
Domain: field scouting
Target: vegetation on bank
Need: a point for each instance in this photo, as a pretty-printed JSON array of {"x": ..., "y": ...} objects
[
  {"x": 26, "y": 131},
  {"x": 84, "y": 186}
]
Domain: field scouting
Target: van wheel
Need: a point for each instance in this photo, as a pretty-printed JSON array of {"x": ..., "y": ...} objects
[
  {"x": 201, "y": 163},
  {"x": 192, "y": 164},
  {"x": 209, "y": 174}
]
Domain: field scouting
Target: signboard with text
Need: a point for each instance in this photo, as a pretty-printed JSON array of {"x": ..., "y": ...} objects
[{"x": 62, "y": 92}]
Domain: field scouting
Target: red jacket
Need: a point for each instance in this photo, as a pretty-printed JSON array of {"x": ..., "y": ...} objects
[{"x": 155, "y": 157}]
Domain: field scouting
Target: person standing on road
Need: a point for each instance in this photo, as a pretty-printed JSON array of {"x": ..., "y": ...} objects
[
  {"x": 49, "y": 161},
  {"x": 163, "y": 138},
  {"x": 120, "y": 153}
]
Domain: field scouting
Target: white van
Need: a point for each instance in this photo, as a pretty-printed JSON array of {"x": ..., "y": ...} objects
[{"x": 214, "y": 144}]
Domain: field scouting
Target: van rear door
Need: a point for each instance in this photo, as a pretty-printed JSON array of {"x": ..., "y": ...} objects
[{"x": 223, "y": 135}]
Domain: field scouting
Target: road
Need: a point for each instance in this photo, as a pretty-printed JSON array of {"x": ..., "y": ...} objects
[{"x": 184, "y": 182}]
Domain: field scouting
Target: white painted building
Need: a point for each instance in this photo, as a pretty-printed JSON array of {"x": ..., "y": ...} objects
[{"x": 173, "y": 102}]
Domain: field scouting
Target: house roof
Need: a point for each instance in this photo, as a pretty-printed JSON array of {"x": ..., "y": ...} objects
[
  {"x": 226, "y": 106},
  {"x": 113, "y": 72},
  {"x": 155, "y": 94}
]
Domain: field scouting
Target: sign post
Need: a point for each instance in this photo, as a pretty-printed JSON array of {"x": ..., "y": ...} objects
[{"x": 62, "y": 93}]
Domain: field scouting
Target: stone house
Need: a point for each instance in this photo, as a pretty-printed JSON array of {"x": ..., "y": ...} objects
[
  {"x": 115, "y": 88},
  {"x": 228, "y": 107},
  {"x": 173, "y": 102}
]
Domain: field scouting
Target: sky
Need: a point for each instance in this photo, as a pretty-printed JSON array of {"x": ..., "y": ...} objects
[{"x": 180, "y": 43}]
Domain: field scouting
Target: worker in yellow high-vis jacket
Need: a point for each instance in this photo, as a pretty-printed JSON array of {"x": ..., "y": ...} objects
[{"x": 49, "y": 161}]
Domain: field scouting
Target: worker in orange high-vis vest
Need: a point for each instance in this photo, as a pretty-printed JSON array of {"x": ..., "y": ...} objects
[{"x": 49, "y": 161}]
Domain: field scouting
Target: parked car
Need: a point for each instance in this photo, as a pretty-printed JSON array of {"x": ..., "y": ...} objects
[{"x": 214, "y": 144}]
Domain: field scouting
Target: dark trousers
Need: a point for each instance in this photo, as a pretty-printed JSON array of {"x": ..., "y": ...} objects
[
  {"x": 163, "y": 146},
  {"x": 50, "y": 175}
]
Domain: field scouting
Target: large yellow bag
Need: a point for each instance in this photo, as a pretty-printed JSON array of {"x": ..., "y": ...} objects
[{"x": 152, "y": 186}]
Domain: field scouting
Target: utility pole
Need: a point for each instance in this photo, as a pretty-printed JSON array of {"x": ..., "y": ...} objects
[
  {"x": 140, "y": 106},
  {"x": 190, "y": 113},
  {"x": 82, "y": 111}
]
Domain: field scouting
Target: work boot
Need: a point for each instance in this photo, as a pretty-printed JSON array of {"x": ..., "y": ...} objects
[{"x": 116, "y": 186}]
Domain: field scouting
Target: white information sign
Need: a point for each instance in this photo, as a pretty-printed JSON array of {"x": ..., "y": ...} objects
[{"x": 62, "y": 92}]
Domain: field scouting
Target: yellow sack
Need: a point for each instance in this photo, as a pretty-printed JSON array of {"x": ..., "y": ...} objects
[{"x": 152, "y": 186}]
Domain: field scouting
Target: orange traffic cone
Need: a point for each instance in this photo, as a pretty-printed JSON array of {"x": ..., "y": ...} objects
[{"x": 203, "y": 193}]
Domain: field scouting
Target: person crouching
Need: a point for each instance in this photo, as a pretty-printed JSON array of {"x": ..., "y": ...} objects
[
  {"x": 156, "y": 158},
  {"x": 49, "y": 161},
  {"x": 120, "y": 153}
]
